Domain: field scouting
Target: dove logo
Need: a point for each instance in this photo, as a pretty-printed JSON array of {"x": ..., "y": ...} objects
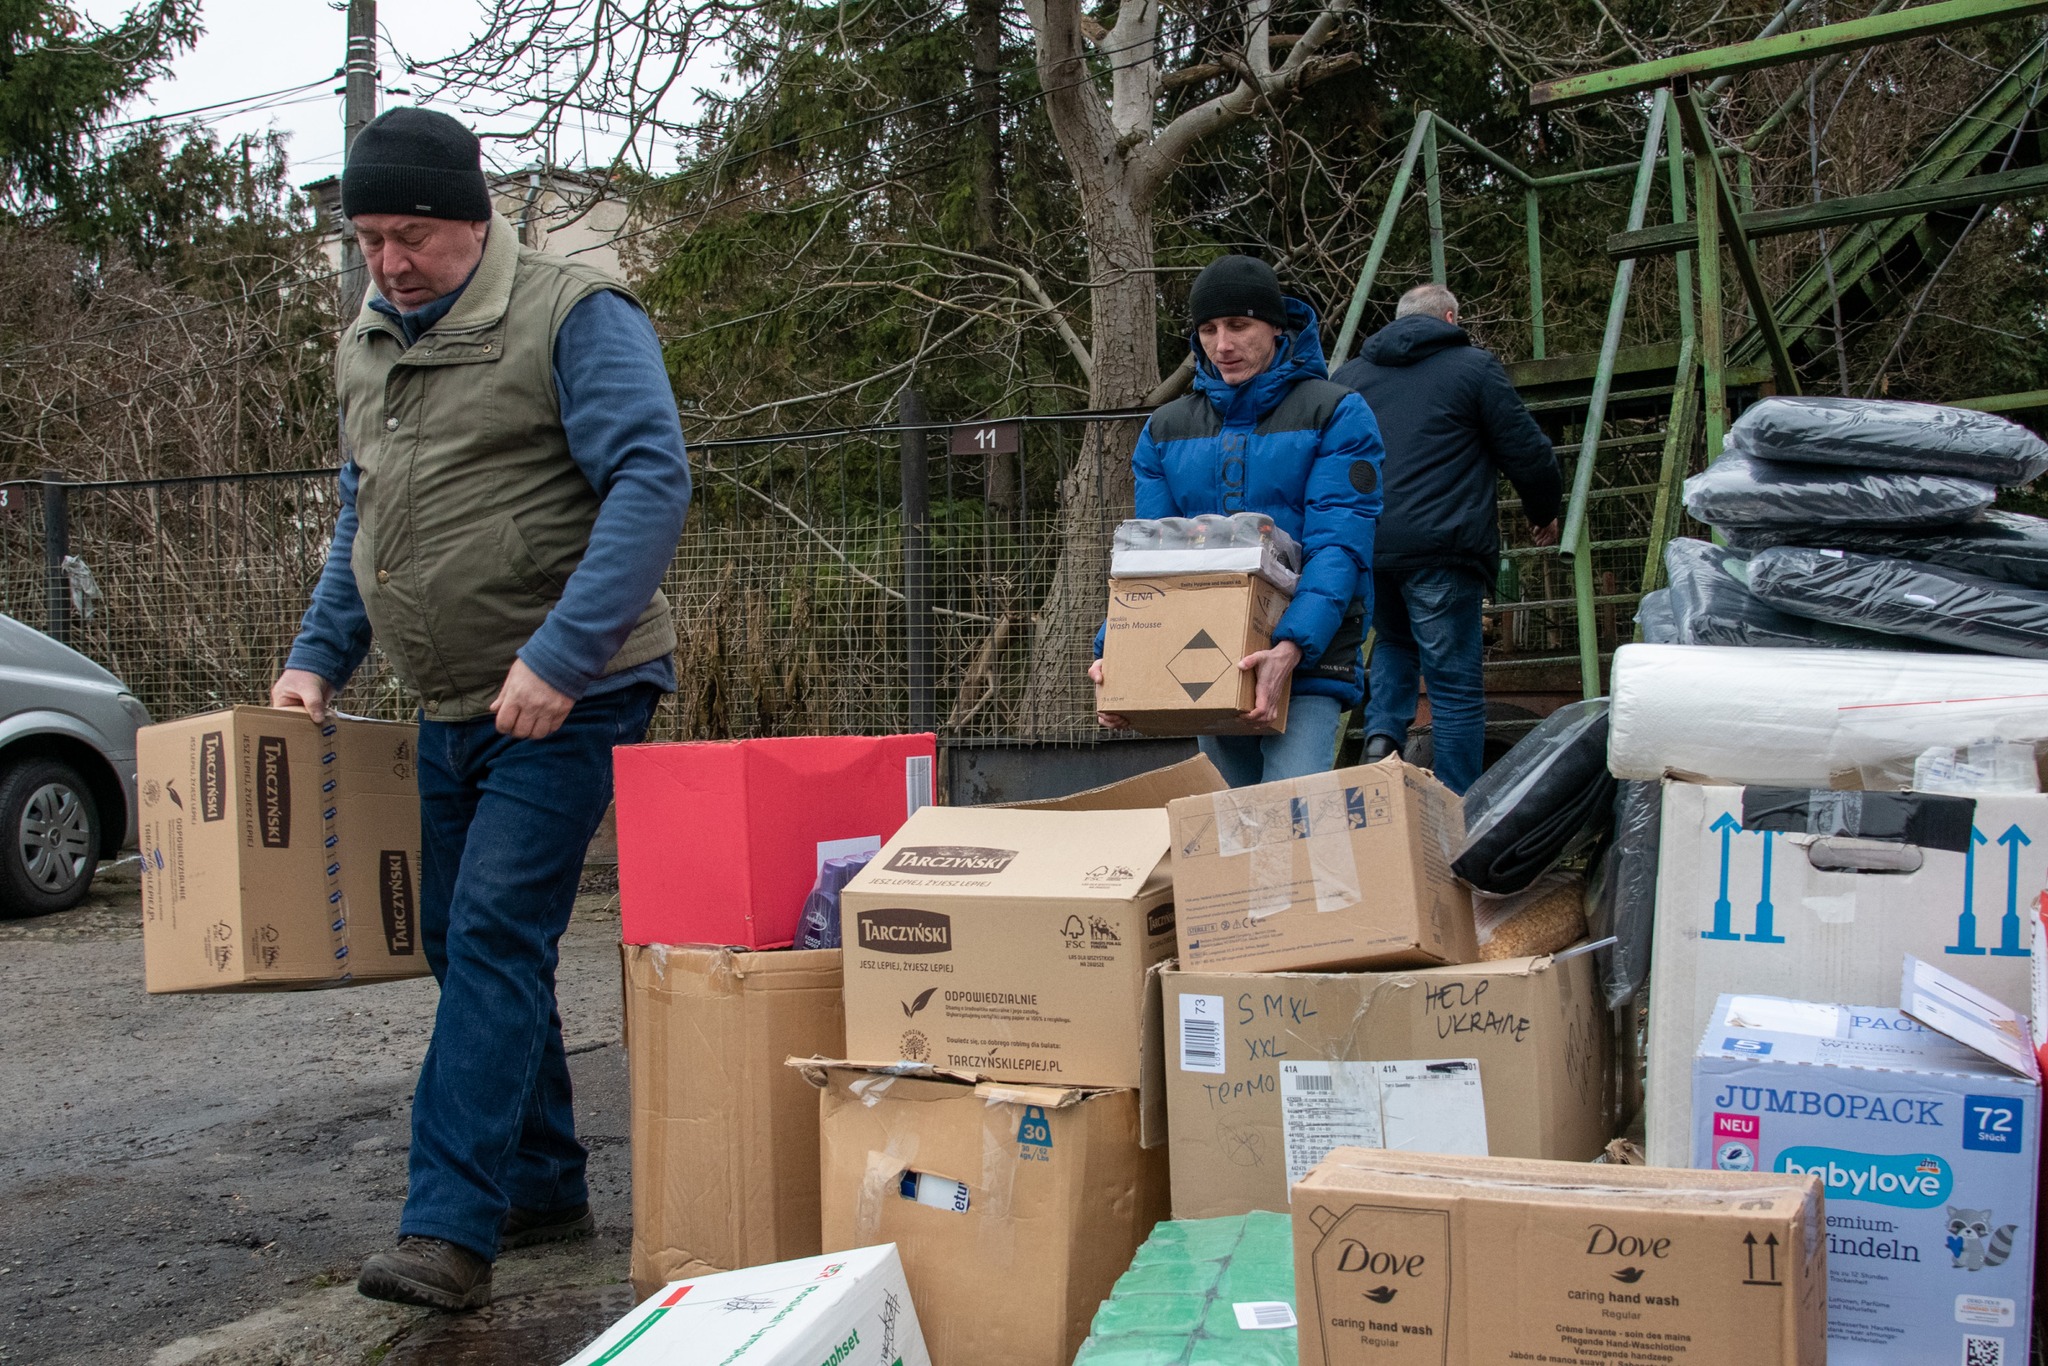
[
  {"x": 1354, "y": 1255},
  {"x": 1380, "y": 1294},
  {"x": 1629, "y": 1275},
  {"x": 1607, "y": 1241},
  {"x": 918, "y": 1002}
]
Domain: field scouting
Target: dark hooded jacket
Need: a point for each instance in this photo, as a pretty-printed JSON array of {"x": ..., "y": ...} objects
[
  {"x": 1453, "y": 425},
  {"x": 1304, "y": 451}
]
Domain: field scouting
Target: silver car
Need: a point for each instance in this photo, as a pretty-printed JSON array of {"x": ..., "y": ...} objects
[{"x": 67, "y": 770}]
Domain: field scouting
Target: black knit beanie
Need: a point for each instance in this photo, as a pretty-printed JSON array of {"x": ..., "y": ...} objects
[
  {"x": 1237, "y": 287},
  {"x": 415, "y": 162}
]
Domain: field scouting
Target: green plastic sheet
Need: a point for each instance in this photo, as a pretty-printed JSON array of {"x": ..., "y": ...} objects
[{"x": 1176, "y": 1305}]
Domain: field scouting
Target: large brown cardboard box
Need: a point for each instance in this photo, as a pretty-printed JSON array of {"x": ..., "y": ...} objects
[
  {"x": 1014, "y": 944},
  {"x": 1402, "y": 1259},
  {"x": 725, "y": 1137},
  {"x": 1268, "y": 1072},
  {"x": 277, "y": 852},
  {"x": 1058, "y": 1195},
  {"x": 1335, "y": 870},
  {"x": 1170, "y": 648}
]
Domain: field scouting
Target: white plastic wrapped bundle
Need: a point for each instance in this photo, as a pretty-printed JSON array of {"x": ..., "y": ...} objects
[
  {"x": 1742, "y": 490},
  {"x": 1241, "y": 543},
  {"x": 1891, "y": 434},
  {"x": 1811, "y": 718}
]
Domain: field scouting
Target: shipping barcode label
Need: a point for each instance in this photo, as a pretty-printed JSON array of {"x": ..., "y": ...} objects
[
  {"x": 1201, "y": 1034},
  {"x": 1420, "y": 1106},
  {"x": 1257, "y": 1314},
  {"x": 1325, "y": 1105},
  {"x": 1433, "y": 1107},
  {"x": 917, "y": 784}
]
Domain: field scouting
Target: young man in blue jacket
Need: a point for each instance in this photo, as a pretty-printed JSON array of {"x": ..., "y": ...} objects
[
  {"x": 1266, "y": 431},
  {"x": 1454, "y": 425}
]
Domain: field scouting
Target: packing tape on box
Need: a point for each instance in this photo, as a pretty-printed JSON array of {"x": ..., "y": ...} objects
[
  {"x": 330, "y": 849},
  {"x": 1000, "y": 1156},
  {"x": 1255, "y": 822}
]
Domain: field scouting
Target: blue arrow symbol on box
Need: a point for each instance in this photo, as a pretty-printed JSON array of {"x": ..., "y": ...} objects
[
  {"x": 2009, "y": 928},
  {"x": 1966, "y": 923},
  {"x": 1723, "y": 912}
]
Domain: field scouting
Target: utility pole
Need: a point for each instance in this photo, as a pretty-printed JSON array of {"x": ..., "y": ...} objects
[{"x": 359, "y": 106}]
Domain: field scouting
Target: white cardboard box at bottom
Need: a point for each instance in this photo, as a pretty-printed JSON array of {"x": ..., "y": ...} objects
[{"x": 842, "y": 1309}]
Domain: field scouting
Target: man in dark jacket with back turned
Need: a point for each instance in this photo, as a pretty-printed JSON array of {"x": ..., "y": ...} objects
[{"x": 1453, "y": 425}]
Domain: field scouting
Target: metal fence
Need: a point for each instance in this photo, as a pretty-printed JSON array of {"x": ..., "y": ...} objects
[
  {"x": 801, "y": 606},
  {"x": 863, "y": 581}
]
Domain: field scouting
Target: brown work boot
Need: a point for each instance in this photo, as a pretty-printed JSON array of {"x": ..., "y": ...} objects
[
  {"x": 530, "y": 1227},
  {"x": 427, "y": 1271}
]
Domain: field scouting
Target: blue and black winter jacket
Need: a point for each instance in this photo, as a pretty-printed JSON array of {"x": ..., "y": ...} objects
[{"x": 1302, "y": 450}]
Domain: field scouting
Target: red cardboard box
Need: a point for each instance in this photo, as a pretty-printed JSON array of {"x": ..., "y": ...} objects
[{"x": 719, "y": 843}]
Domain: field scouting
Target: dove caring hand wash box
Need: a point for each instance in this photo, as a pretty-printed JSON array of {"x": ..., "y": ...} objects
[{"x": 1923, "y": 1125}]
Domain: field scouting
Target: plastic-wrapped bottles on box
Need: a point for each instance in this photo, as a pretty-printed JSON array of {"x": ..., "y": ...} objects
[{"x": 1243, "y": 543}]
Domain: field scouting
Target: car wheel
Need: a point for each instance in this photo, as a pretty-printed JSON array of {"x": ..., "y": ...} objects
[{"x": 51, "y": 829}]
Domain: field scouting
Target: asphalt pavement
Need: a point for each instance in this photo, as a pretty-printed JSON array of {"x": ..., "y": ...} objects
[{"x": 192, "y": 1180}]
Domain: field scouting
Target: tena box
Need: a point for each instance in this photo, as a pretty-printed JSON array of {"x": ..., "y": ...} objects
[
  {"x": 1015, "y": 1207},
  {"x": 1927, "y": 1148},
  {"x": 1011, "y": 944},
  {"x": 845, "y": 1309},
  {"x": 1816, "y": 895},
  {"x": 719, "y": 843},
  {"x": 278, "y": 852},
  {"x": 1170, "y": 648},
  {"x": 1408, "y": 1259},
  {"x": 1267, "y": 1072},
  {"x": 1334, "y": 870}
]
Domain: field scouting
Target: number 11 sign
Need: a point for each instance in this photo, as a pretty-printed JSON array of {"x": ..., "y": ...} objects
[{"x": 988, "y": 438}]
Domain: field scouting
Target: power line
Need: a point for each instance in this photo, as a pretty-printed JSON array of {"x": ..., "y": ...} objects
[{"x": 224, "y": 104}]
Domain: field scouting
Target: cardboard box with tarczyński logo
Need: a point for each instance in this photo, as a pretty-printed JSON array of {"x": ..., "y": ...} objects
[
  {"x": 277, "y": 852},
  {"x": 1010, "y": 944},
  {"x": 1021, "y": 943}
]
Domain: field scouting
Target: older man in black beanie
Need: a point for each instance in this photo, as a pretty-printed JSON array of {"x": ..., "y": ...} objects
[{"x": 512, "y": 490}]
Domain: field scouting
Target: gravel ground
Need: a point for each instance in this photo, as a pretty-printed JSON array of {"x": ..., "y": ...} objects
[{"x": 192, "y": 1180}]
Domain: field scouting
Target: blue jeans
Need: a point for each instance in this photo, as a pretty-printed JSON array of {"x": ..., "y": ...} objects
[
  {"x": 503, "y": 825},
  {"x": 1426, "y": 625},
  {"x": 1308, "y": 745}
]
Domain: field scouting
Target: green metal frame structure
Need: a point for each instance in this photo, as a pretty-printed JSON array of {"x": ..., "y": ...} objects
[{"x": 1722, "y": 224}]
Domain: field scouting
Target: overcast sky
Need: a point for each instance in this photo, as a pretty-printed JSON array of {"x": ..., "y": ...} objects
[{"x": 253, "y": 47}]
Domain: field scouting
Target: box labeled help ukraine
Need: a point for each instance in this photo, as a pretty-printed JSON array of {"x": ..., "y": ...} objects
[{"x": 1927, "y": 1148}]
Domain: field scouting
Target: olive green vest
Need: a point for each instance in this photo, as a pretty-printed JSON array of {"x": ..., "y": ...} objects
[{"x": 471, "y": 513}]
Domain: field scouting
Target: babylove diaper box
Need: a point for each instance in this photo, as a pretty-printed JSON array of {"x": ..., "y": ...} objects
[{"x": 1923, "y": 1125}]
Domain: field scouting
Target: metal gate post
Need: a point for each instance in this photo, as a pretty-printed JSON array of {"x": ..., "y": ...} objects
[
  {"x": 917, "y": 565},
  {"x": 56, "y": 546}
]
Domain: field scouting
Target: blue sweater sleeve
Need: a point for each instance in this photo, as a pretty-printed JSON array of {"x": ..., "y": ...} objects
[
  {"x": 334, "y": 635},
  {"x": 620, "y": 417},
  {"x": 1340, "y": 515}
]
